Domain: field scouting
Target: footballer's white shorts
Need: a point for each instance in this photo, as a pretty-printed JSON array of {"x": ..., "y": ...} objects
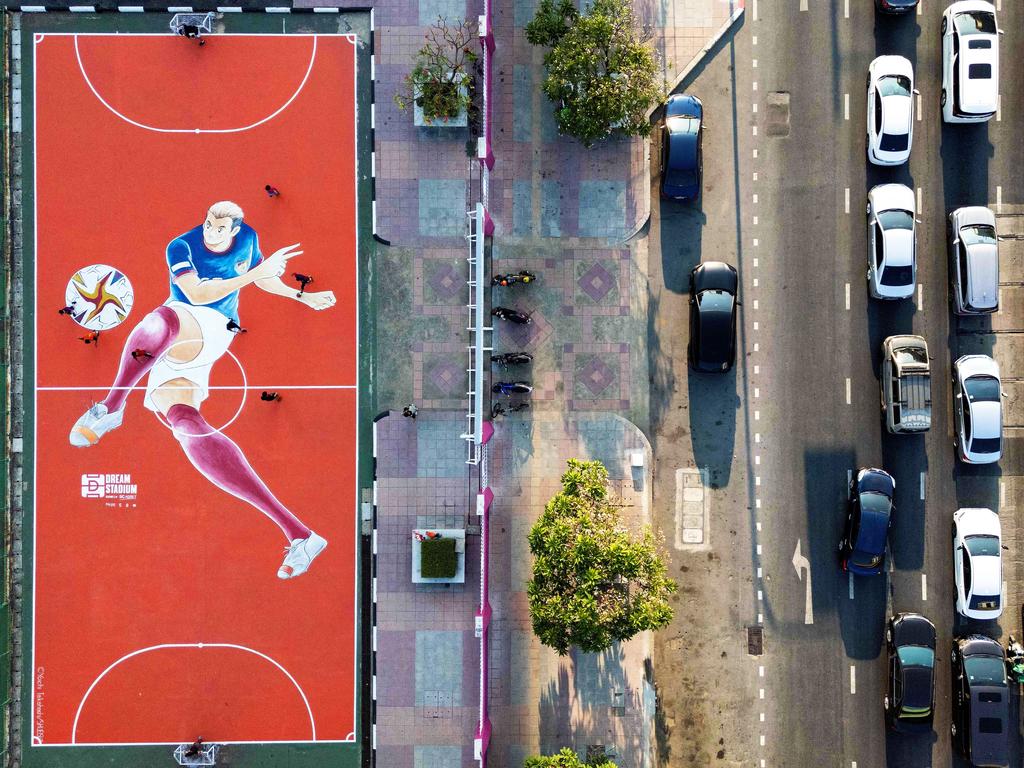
[{"x": 216, "y": 340}]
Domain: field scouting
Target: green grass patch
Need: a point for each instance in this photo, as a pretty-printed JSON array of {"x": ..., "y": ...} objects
[{"x": 438, "y": 559}]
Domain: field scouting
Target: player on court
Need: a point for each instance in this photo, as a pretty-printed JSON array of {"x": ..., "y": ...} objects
[{"x": 208, "y": 266}]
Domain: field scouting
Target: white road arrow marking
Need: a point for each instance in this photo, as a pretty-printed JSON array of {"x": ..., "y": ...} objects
[{"x": 801, "y": 564}]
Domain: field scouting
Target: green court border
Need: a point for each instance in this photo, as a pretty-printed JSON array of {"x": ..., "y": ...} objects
[{"x": 348, "y": 755}]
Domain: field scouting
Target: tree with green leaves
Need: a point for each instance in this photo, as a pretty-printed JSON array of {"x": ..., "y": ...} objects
[
  {"x": 601, "y": 74},
  {"x": 594, "y": 583},
  {"x": 565, "y": 759}
]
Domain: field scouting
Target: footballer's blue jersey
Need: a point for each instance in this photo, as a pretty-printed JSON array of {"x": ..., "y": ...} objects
[{"x": 188, "y": 253}]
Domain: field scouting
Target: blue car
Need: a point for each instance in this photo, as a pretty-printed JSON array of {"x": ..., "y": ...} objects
[
  {"x": 681, "y": 147},
  {"x": 862, "y": 548}
]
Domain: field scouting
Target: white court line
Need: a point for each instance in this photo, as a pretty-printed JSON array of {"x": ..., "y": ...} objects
[
  {"x": 309, "y": 711},
  {"x": 271, "y": 116},
  {"x": 850, "y": 575},
  {"x": 924, "y": 586},
  {"x": 853, "y": 679},
  {"x": 847, "y": 296},
  {"x": 138, "y": 388},
  {"x": 846, "y": 104},
  {"x": 846, "y": 199},
  {"x": 923, "y": 476},
  {"x": 920, "y": 297},
  {"x": 848, "y": 401}
]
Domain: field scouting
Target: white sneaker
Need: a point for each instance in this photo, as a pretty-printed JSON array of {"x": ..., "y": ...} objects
[
  {"x": 300, "y": 554},
  {"x": 94, "y": 424}
]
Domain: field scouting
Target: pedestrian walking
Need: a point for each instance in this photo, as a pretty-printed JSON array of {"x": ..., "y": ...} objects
[
  {"x": 137, "y": 353},
  {"x": 303, "y": 281},
  {"x": 272, "y": 191},
  {"x": 410, "y": 411},
  {"x": 269, "y": 397},
  {"x": 92, "y": 337},
  {"x": 68, "y": 310},
  {"x": 235, "y": 327}
]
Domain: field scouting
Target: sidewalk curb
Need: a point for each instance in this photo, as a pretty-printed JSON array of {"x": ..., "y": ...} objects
[{"x": 722, "y": 31}]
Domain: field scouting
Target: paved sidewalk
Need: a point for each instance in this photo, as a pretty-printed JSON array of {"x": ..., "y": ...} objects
[{"x": 428, "y": 661}]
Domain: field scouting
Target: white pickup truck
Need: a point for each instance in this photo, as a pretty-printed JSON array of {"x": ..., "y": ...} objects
[{"x": 906, "y": 385}]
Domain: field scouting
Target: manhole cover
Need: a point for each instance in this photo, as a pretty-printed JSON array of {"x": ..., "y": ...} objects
[
  {"x": 755, "y": 641},
  {"x": 777, "y": 114}
]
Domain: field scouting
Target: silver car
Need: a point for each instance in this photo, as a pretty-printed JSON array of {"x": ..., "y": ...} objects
[
  {"x": 974, "y": 261},
  {"x": 977, "y": 409},
  {"x": 892, "y": 242}
]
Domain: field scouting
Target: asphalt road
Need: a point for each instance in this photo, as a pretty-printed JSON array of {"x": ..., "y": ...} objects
[{"x": 786, "y": 179}]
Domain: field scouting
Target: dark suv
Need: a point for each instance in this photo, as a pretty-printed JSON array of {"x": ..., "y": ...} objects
[
  {"x": 862, "y": 548},
  {"x": 981, "y": 705},
  {"x": 713, "y": 286},
  {"x": 910, "y": 697}
]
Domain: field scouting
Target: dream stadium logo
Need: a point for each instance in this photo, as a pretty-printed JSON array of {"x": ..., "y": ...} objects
[
  {"x": 100, "y": 297},
  {"x": 112, "y": 486}
]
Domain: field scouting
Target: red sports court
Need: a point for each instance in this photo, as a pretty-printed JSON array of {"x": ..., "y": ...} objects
[{"x": 158, "y": 611}]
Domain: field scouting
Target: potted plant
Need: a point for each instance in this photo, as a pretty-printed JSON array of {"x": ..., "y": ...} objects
[{"x": 440, "y": 85}]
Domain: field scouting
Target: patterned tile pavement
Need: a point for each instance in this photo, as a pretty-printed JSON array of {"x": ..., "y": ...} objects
[{"x": 563, "y": 211}]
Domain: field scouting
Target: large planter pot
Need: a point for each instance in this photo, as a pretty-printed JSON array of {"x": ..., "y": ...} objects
[{"x": 461, "y": 120}]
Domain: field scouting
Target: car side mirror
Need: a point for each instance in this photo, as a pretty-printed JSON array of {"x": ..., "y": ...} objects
[
  {"x": 959, "y": 395},
  {"x": 1000, "y": 31},
  {"x": 1003, "y": 393},
  {"x": 956, "y": 240},
  {"x": 917, "y": 92},
  {"x": 739, "y": 303},
  {"x": 918, "y": 221}
]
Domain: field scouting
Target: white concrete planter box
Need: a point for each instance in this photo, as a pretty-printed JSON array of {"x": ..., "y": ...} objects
[
  {"x": 461, "y": 120},
  {"x": 459, "y": 534}
]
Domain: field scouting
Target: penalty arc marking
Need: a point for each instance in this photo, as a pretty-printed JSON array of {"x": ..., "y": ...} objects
[
  {"x": 309, "y": 711},
  {"x": 271, "y": 116}
]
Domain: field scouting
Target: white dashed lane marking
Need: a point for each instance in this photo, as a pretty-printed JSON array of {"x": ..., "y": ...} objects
[
  {"x": 924, "y": 586},
  {"x": 850, "y": 580},
  {"x": 846, "y": 199},
  {"x": 848, "y": 400},
  {"x": 923, "y": 476},
  {"x": 846, "y": 106},
  {"x": 847, "y": 296},
  {"x": 853, "y": 679},
  {"x": 920, "y": 297}
]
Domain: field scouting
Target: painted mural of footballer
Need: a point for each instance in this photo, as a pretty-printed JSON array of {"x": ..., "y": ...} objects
[{"x": 208, "y": 265}]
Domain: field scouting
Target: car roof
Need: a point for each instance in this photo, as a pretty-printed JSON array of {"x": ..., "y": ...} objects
[
  {"x": 682, "y": 138},
  {"x": 899, "y": 247},
  {"x": 715, "y": 326},
  {"x": 896, "y": 114},
  {"x": 989, "y": 703},
  {"x": 917, "y": 686},
  {"x": 874, "y": 527},
  {"x": 987, "y": 419},
  {"x": 986, "y": 575},
  {"x": 983, "y": 275}
]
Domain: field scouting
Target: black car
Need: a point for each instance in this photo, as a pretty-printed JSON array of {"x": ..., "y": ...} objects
[
  {"x": 713, "y": 303},
  {"x": 895, "y": 6},
  {"x": 910, "y": 697},
  {"x": 862, "y": 548},
  {"x": 681, "y": 153},
  {"x": 981, "y": 701}
]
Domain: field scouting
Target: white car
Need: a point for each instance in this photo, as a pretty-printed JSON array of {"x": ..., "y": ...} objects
[
  {"x": 892, "y": 242},
  {"x": 974, "y": 261},
  {"x": 970, "y": 62},
  {"x": 977, "y": 409},
  {"x": 890, "y": 110},
  {"x": 978, "y": 563}
]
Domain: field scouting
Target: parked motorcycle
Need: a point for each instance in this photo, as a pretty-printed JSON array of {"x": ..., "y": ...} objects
[
  {"x": 522, "y": 276},
  {"x": 512, "y": 315},
  {"x": 500, "y": 410},
  {"x": 512, "y": 358},
  {"x": 511, "y": 388}
]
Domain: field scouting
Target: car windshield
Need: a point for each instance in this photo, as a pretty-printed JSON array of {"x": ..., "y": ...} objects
[
  {"x": 975, "y": 23},
  {"x": 982, "y": 546},
  {"x": 983, "y": 389},
  {"x": 916, "y": 656},
  {"x": 898, "y": 275},
  {"x": 985, "y": 445},
  {"x": 896, "y": 220},
  {"x": 894, "y": 85},
  {"x": 985, "y": 670},
  {"x": 977, "y": 234},
  {"x": 894, "y": 142},
  {"x": 911, "y": 355}
]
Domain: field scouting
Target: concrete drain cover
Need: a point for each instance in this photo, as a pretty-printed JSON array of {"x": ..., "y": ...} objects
[
  {"x": 777, "y": 114},
  {"x": 755, "y": 640},
  {"x": 692, "y": 504}
]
